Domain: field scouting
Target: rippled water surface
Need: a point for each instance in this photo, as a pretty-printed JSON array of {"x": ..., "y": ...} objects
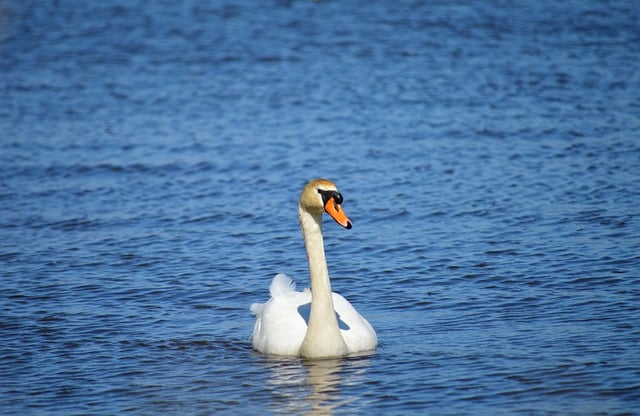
[{"x": 151, "y": 156}]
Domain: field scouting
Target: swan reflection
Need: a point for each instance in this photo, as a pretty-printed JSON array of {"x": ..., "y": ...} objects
[{"x": 314, "y": 387}]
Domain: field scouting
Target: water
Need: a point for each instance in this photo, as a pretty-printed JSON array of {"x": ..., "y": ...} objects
[{"x": 151, "y": 156}]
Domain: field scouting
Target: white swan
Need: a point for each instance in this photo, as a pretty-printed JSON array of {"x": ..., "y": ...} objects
[{"x": 313, "y": 323}]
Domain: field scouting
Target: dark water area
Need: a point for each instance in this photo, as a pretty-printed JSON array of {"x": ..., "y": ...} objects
[{"x": 151, "y": 157}]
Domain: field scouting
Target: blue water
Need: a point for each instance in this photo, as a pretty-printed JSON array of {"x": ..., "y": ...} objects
[{"x": 151, "y": 157}]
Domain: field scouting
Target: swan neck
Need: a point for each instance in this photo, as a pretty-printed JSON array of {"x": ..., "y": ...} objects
[
  {"x": 323, "y": 338},
  {"x": 314, "y": 244}
]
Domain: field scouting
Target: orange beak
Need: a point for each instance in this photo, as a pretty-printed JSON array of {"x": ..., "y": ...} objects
[{"x": 336, "y": 212}]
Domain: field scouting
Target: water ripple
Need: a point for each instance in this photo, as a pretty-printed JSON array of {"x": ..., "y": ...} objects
[{"x": 151, "y": 159}]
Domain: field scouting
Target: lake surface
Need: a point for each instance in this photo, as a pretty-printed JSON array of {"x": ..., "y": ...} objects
[{"x": 152, "y": 154}]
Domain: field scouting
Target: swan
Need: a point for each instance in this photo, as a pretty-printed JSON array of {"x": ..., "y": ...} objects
[{"x": 316, "y": 323}]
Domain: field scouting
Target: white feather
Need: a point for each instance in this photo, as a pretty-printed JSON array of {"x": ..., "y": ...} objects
[{"x": 280, "y": 327}]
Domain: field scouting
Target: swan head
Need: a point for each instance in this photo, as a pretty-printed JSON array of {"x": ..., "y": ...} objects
[{"x": 320, "y": 196}]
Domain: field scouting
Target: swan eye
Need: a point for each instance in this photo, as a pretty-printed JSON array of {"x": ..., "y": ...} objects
[{"x": 327, "y": 195}]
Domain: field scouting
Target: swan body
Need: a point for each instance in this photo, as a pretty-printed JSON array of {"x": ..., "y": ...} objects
[{"x": 316, "y": 323}]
